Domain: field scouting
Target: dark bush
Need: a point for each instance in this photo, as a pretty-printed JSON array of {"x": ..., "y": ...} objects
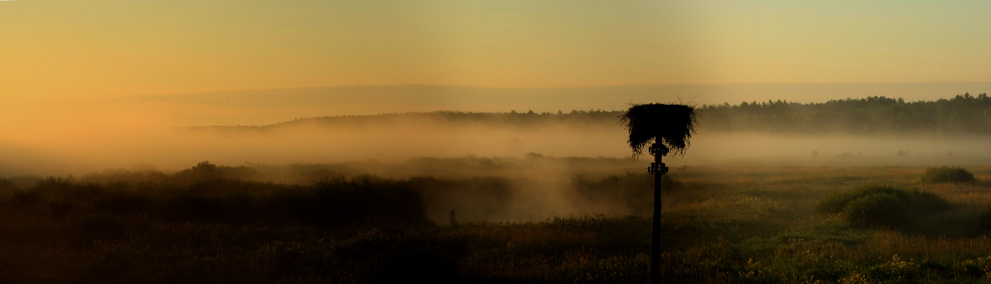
[
  {"x": 947, "y": 174},
  {"x": 205, "y": 171},
  {"x": 881, "y": 210},
  {"x": 927, "y": 202},
  {"x": 918, "y": 201},
  {"x": 883, "y": 206},
  {"x": 838, "y": 202}
]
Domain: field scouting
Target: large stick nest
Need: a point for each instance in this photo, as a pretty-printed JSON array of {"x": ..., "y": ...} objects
[{"x": 670, "y": 125}]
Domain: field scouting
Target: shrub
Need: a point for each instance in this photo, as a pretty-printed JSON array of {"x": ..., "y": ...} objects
[
  {"x": 924, "y": 202},
  {"x": 205, "y": 171},
  {"x": 838, "y": 202},
  {"x": 883, "y": 206},
  {"x": 927, "y": 202},
  {"x": 883, "y": 210},
  {"x": 947, "y": 174}
]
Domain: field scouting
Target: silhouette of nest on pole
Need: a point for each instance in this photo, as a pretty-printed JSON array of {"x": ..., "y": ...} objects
[{"x": 670, "y": 125}]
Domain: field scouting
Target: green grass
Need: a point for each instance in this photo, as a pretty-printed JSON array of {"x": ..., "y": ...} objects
[{"x": 720, "y": 225}]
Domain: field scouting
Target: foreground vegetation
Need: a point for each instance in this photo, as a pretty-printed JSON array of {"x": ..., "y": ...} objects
[{"x": 721, "y": 224}]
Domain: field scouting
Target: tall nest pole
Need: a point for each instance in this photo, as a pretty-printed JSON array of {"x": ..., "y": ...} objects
[{"x": 667, "y": 128}]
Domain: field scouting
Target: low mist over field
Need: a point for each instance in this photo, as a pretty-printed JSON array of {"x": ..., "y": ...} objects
[
  {"x": 171, "y": 134},
  {"x": 535, "y": 162},
  {"x": 397, "y": 141},
  {"x": 74, "y": 136}
]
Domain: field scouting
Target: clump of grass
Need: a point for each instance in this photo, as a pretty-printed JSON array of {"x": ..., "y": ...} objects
[
  {"x": 948, "y": 174},
  {"x": 883, "y": 206},
  {"x": 883, "y": 210}
]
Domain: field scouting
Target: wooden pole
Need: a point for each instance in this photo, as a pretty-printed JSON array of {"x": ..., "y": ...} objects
[
  {"x": 658, "y": 170},
  {"x": 655, "y": 247}
]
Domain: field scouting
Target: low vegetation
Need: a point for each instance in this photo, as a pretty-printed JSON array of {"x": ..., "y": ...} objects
[
  {"x": 883, "y": 206},
  {"x": 720, "y": 225},
  {"x": 948, "y": 174}
]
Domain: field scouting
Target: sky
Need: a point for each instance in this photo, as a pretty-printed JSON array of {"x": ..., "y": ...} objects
[
  {"x": 99, "y": 48},
  {"x": 86, "y": 79}
]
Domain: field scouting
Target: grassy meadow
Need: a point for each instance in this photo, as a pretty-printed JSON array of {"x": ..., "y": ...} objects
[{"x": 334, "y": 224}]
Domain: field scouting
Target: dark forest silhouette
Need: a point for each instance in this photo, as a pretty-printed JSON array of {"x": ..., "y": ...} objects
[{"x": 961, "y": 115}]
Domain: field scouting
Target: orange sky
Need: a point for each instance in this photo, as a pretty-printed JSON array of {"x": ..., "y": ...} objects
[
  {"x": 121, "y": 47},
  {"x": 95, "y": 82}
]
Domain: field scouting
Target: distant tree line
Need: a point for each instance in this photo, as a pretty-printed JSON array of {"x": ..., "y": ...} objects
[
  {"x": 578, "y": 118},
  {"x": 961, "y": 115}
]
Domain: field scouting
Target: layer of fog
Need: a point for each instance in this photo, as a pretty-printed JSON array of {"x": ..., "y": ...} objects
[
  {"x": 82, "y": 149},
  {"x": 74, "y": 137}
]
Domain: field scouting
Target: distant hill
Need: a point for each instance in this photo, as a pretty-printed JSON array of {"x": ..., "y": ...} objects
[
  {"x": 961, "y": 115},
  {"x": 267, "y": 106},
  {"x": 576, "y": 118}
]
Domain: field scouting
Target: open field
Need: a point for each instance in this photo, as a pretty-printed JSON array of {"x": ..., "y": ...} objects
[
  {"x": 495, "y": 141},
  {"x": 721, "y": 224}
]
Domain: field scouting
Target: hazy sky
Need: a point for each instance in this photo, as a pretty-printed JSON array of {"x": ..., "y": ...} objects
[
  {"x": 94, "y": 82},
  {"x": 122, "y": 47}
]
